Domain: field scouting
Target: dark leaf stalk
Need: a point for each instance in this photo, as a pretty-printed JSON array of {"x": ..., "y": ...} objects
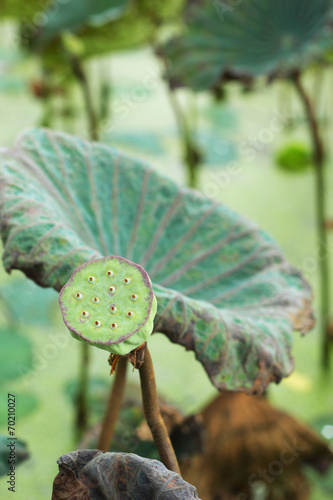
[{"x": 321, "y": 202}]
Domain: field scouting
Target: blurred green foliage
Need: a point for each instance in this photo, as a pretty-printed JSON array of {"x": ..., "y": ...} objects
[
  {"x": 28, "y": 303},
  {"x": 18, "y": 9},
  {"x": 295, "y": 157},
  {"x": 15, "y": 355},
  {"x": 98, "y": 389},
  {"x": 26, "y": 403},
  {"x": 100, "y": 27},
  {"x": 21, "y": 454}
]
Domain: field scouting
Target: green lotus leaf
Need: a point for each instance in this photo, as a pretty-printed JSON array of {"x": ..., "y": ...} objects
[
  {"x": 109, "y": 303},
  {"x": 223, "y": 287},
  {"x": 223, "y": 40}
]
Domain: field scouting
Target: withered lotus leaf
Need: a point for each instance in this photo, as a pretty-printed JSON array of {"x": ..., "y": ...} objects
[
  {"x": 244, "y": 436},
  {"x": 92, "y": 474},
  {"x": 223, "y": 287}
]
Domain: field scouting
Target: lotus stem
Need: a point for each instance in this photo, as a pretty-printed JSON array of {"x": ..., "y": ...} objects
[
  {"x": 319, "y": 161},
  {"x": 114, "y": 404},
  {"x": 153, "y": 414},
  {"x": 81, "y": 77},
  {"x": 191, "y": 152},
  {"x": 82, "y": 409},
  {"x": 82, "y": 406},
  {"x": 47, "y": 112},
  {"x": 105, "y": 97}
]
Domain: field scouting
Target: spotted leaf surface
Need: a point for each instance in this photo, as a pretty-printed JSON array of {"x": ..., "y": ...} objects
[
  {"x": 223, "y": 40},
  {"x": 92, "y": 474},
  {"x": 223, "y": 287},
  {"x": 110, "y": 303}
]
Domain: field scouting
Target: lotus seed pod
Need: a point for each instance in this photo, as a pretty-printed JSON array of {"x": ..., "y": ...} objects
[{"x": 109, "y": 303}]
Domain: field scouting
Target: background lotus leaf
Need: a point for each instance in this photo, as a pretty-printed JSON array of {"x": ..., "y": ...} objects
[
  {"x": 74, "y": 14},
  {"x": 223, "y": 287},
  {"x": 118, "y": 26},
  {"x": 251, "y": 38}
]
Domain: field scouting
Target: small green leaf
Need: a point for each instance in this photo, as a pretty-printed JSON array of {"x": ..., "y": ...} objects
[{"x": 295, "y": 157}]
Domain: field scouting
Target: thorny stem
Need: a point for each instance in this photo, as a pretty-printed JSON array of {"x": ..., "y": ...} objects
[
  {"x": 319, "y": 160},
  {"x": 192, "y": 155},
  {"x": 82, "y": 406},
  {"x": 114, "y": 404},
  {"x": 153, "y": 414},
  {"x": 81, "y": 77}
]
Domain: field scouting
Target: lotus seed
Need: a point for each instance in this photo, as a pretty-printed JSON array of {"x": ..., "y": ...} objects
[
  {"x": 134, "y": 297},
  {"x": 127, "y": 281},
  {"x": 91, "y": 280},
  {"x": 130, "y": 314},
  {"x": 110, "y": 274},
  {"x": 95, "y": 300},
  {"x": 113, "y": 309},
  {"x": 85, "y": 315},
  {"x": 79, "y": 296},
  {"x": 97, "y": 324},
  {"x": 114, "y": 325},
  {"x": 112, "y": 289}
]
